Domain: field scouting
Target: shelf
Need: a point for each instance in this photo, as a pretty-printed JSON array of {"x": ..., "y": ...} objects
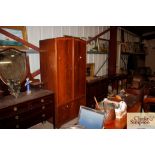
[
  {"x": 96, "y": 52},
  {"x": 104, "y": 39},
  {"x": 128, "y": 53}
]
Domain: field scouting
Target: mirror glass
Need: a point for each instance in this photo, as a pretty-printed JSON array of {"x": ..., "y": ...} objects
[{"x": 13, "y": 69}]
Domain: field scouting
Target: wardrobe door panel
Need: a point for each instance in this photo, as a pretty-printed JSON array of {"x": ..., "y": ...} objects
[
  {"x": 65, "y": 70},
  {"x": 48, "y": 64},
  {"x": 79, "y": 68}
]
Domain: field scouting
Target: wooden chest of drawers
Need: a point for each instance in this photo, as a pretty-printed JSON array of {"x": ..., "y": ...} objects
[{"x": 26, "y": 110}]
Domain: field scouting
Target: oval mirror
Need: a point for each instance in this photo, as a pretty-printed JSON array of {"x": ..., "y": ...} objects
[{"x": 13, "y": 69}]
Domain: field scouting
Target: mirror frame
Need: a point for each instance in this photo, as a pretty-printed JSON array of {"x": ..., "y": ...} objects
[{"x": 26, "y": 72}]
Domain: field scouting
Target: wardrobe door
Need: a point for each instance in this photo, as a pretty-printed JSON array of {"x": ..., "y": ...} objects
[
  {"x": 48, "y": 64},
  {"x": 65, "y": 70},
  {"x": 79, "y": 68}
]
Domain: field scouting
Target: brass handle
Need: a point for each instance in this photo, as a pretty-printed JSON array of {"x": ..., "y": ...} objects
[
  {"x": 17, "y": 117},
  {"x": 42, "y": 101},
  {"x": 17, "y": 126},
  {"x": 15, "y": 109},
  {"x": 80, "y": 57},
  {"x": 43, "y": 115},
  {"x": 43, "y": 107}
]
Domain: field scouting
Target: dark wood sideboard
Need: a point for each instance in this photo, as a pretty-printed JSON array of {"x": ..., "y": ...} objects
[
  {"x": 26, "y": 110},
  {"x": 98, "y": 87}
]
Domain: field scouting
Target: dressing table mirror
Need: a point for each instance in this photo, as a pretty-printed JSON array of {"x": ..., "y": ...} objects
[{"x": 13, "y": 69}]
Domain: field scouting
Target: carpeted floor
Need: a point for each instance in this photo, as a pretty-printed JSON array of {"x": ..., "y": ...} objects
[{"x": 48, "y": 125}]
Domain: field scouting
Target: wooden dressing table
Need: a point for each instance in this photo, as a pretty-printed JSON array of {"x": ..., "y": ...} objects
[{"x": 26, "y": 110}]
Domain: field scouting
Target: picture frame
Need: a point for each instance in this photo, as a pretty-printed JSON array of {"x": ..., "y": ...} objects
[
  {"x": 90, "y": 67},
  {"x": 19, "y": 31},
  {"x": 93, "y": 45},
  {"x": 102, "y": 45}
]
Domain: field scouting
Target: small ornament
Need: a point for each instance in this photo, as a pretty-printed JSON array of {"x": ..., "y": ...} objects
[{"x": 27, "y": 85}]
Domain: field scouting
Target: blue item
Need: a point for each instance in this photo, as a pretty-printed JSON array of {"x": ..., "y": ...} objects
[
  {"x": 90, "y": 118},
  {"x": 27, "y": 84},
  {"x": 28, "y": 87}
]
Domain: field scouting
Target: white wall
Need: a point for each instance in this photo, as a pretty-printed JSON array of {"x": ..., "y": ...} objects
[{"x": 36, "y": 33}]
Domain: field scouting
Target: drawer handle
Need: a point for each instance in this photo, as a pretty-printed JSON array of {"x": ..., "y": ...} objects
[
  {"x": 43, "y": 115},
  {"x": 42, "y": 101},
  {"x": 17, "y": 117},
  {"x": 15, "y": 109},
  {"x": 67, "y": 106},
  {"x": 43, "y": 107},
  {"x": 17, "y": 126}
]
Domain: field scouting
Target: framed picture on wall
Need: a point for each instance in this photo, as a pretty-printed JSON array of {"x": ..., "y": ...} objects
[
  {"x": 19, "y": 31},
  {"x": 93, "y": 45},
  {"x": 103, "y": 45},
  {"x": 90, "y": 69}
]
